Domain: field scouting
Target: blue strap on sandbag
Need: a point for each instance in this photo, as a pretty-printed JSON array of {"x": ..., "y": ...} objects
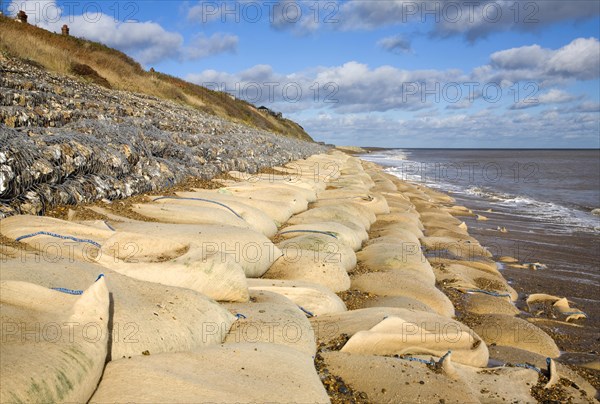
[
  {"x": 308, "y": 313},
  {"x": 73, "y": 291},
  {"x": 327, "y": 233},
  {"x": 201, "y": 200},
  {"x": 487, "y": 292},
  {"x": 47, "y": 233}
]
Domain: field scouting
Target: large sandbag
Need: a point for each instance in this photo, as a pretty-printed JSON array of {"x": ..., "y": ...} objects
[
  {"x": 175, "y": 213},
  {"x": 331, "y": 213},
  {"x": 396, "y": 283},
  {"x": 394, "y": 380},
  {"x": 334, "y": 249},
  {"x": 273, "y": 318},
  {"x": 254, "y": 252},
  {"x": 216, "y": 275},
  {"x": 514, "y": 332},
  {"x": 465, "y": 248},
  {"x": 419, "y": 333},
  {"x": 311, "y": 266},
  {"x": 53, "y": 343},
  {"x": 232, "y": 373},
  {"x": 357, "y": 209},
  {"x": 288, "y": 192},
  {"x": 395, "y": 236},
  {"x": 305, "y": 181},
  {"x": 278, "y": 210},
  {"x": 391, "y": 380},
  {"x": 484, "y": 264},
  {"x": 399, "y": 302},
  {"x": 256, "y": 218},
  {"x": 481, "y": 303},
  {"x": 401, "y": 256},
  {"x": 472, "y": 280},
  {"x": 390, "y": 228},
  {"x": 310, "y": 297},
  {"x": 140, "y": 256},
  {"x": 145, "y": 316},
  {"x": 375, "y": 202},
  {"x": 353, "y": 238}
]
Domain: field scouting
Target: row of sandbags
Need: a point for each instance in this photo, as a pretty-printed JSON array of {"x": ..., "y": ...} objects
[
  {"x": 154, "y": 319},
  {"x": 407, "y": 329}
]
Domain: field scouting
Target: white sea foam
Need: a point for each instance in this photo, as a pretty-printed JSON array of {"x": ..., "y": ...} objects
[{"x": 568, "y": 219}]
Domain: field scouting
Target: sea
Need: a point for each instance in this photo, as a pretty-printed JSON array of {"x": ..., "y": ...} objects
[{"x": 544, "y": 199}]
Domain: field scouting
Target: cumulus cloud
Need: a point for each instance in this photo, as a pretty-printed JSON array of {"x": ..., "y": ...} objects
[
  {"x": 486, "y": 128},
  {"x": 203, "y": 46},
  {"x": 473, "y": 20},
  {"x": 509, "y": 79},
  {"x": 146, "y": 41},
  {"x": 553, "y": 96},
  {"x": 395, "y": 44},
  {"x": 470, "y": 19}
]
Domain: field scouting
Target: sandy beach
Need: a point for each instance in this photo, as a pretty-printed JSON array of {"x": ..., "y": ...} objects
[{"x": 321, "y": 280}]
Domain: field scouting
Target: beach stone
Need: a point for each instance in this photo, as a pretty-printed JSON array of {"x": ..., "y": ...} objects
[
  {"x": 47, "y": 353},
  {"x": 240, "y": 373},
  {"x": 505, "y": 330},
  {"x": 272, "y": 318},
  {"x": 397, "y": 283}
]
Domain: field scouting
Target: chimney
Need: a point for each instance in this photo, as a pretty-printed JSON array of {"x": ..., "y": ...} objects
[
  {"x": 22, "y": 17},
  {"x": 65, "y": 30}
]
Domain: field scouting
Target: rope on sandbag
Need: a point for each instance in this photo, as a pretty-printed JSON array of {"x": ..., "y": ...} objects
[
  {"x": 327, "y": 233},
  {"x": 47, "y": 233},
  {"x": 201, "y": 200}
]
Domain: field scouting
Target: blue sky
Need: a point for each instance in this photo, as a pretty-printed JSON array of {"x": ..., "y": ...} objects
[{"x": 394, "y": 73}]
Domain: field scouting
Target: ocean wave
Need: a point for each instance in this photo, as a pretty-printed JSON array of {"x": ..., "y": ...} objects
[{"x": 568, "y": 218}]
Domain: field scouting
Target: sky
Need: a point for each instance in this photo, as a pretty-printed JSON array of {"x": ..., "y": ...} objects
[{"x": 393, "y": 73}]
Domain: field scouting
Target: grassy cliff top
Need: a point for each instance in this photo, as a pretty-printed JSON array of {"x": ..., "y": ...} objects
[{"x": 109, "y": 67}]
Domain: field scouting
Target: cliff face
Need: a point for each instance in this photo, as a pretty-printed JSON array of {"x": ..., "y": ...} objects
[
  {"x": 65, "y": 141},
  {"x": 99, "y": 64}
]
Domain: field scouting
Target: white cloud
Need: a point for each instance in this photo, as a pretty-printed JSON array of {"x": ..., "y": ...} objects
[
  {"x": 473, "y": 20},
  {"x": 553, "y": 96},
  {"x": 147, "y": 42},
  {"x": 395, "y": 44},
  {"x": 578, "y": 60},
  {"x": 203, "y": 46},
  {"x": 509, "y": 80}
]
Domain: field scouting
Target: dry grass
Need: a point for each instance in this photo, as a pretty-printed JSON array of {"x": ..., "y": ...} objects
[{"x": 58, "y": 53}]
